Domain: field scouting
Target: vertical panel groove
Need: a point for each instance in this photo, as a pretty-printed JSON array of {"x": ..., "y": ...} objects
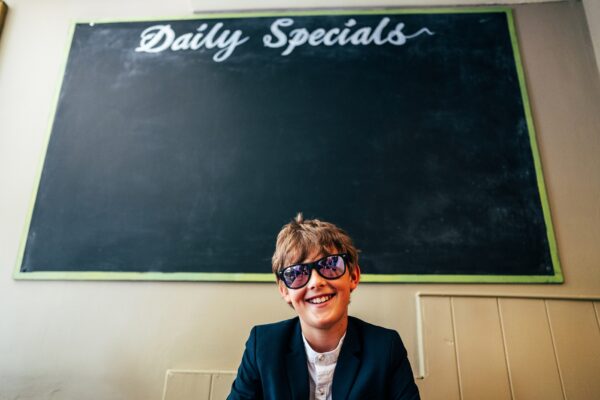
[
  {"x": 460, "y": 389},
  {"x": 164, "y": 396},
  {"x": 211, "y": 386},
  {"x": 560, "y": 375},
  {"x": 510, "y": 382},
  {"x": 596, "y": 312}
]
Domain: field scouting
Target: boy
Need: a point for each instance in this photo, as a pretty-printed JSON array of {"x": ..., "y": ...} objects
[{"x": 323, "y": 353}]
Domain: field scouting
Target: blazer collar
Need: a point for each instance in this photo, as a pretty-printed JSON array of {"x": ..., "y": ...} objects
[
  {"x": 348, "y": 363},
  {"x": 297, "y": 370},
  {"x": 345, "y": 371}
]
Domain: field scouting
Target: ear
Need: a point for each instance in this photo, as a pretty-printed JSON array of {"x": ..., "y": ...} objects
[
  {"x": 354, "y": 277},
  {"x": 283, "y": 291}
]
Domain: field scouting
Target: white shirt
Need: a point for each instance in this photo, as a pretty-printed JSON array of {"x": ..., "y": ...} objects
[{"x": 320, "y": 370}]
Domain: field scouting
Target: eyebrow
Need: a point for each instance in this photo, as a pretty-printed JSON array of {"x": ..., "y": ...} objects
[{"x": 304, "y": 252}]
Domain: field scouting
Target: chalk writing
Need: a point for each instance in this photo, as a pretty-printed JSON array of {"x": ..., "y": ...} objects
[
  {"x": 336, "y": 36},
  {"x": 158, "y": 38}
]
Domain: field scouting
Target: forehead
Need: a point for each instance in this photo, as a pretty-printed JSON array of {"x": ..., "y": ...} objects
[{"x": 308, "y": 254}]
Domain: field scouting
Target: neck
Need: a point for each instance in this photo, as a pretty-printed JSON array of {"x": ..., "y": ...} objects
[{"x": 323, "y": 340}]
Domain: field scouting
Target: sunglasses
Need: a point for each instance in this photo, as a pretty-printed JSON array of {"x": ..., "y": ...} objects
[{"x": 330, "y": 267}]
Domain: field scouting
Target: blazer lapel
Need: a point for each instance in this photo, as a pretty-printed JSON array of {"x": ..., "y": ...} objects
[
  {"x": 297, "y": 370},
  {"x": 347, "y": 364}
]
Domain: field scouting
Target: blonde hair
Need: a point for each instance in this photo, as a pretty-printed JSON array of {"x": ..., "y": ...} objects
[{"x": 300, "y": 238}]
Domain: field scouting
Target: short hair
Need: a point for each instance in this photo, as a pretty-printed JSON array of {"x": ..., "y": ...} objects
[{"x": 299, "y": 238}]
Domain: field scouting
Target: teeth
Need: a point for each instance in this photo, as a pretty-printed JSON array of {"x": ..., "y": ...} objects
[{"x": 319, "y": 300}]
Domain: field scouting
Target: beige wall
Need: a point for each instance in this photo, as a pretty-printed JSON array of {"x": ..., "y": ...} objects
[{"x": 115, "y": 340}]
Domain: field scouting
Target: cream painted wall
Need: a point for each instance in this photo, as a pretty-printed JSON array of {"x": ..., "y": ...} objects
[{"x": 115, "y": 340}]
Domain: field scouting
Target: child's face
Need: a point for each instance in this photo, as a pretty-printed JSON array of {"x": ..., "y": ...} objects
[{"x": 329, "y": 313}]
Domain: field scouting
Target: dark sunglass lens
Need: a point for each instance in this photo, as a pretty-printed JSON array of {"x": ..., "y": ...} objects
[
  {"x": 295, "y": 276},
  {"x": 332, "y": 267}
]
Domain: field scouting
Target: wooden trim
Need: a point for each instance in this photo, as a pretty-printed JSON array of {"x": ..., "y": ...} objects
[
  {"x": 581, "y": 297},
  {"x": 200, "y": 7}
]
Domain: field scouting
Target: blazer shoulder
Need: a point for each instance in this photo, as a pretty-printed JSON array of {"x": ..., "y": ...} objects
[
  {"x": 275, "y": 332},
  {"x": 277, "y": 327},
  {"x": 370, "y": 330}
]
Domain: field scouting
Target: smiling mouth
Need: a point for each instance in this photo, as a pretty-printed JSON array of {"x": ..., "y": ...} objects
[{"x": 320, "y": 299}]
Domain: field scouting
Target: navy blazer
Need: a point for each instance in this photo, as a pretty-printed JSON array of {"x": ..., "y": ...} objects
[{"x": 372, "y": 365}]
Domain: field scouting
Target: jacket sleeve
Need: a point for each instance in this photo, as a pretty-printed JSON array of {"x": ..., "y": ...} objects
[
  {"x": 247, "y": 384},
  {"x": 402, "y": 382}
]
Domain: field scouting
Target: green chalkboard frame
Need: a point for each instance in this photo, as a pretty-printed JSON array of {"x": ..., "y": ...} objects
[{"x": 268, "y": 277}]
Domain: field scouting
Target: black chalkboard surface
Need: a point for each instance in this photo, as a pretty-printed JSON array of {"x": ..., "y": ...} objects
[{"x": 179, "y": 148}]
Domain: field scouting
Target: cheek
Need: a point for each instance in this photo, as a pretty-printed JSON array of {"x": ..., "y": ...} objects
[
  {"x": 347, "y": 293},
  {"x": 296, "y": 298},
  {"x": 346, "y": 298}
]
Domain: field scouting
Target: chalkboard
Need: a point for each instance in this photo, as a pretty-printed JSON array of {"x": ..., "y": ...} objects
[{"x": 179, "y": 148}]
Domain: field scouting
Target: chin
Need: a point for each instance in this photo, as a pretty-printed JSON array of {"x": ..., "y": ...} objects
[{"x": 326, "y": 322}]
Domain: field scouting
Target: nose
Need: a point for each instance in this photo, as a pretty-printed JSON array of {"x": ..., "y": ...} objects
[{"x": 315, "y": 280}]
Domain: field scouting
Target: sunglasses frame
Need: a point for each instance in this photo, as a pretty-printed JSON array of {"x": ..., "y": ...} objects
[{"x": 314, "y": 266}]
